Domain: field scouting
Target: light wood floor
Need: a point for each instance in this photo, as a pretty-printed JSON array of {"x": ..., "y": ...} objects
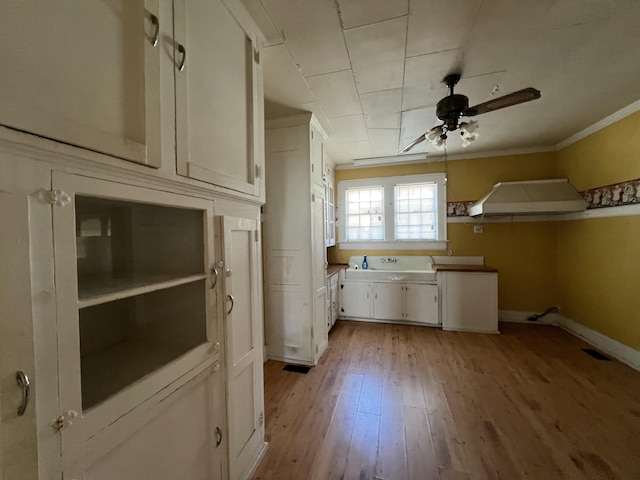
[{"x": 399, "y": 402}]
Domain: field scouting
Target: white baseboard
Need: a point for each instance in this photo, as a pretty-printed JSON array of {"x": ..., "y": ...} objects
[{"x": 612, "y": 347}]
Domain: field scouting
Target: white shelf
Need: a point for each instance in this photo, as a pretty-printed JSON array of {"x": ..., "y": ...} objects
[
  {"x": 110, "y": 370},
  {"x": 103, "y": 290}
]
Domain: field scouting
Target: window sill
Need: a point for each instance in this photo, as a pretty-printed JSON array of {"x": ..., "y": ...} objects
[{"x": 400, "y": 245}]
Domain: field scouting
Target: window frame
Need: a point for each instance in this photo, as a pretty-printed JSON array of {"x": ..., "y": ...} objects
[{"x": 389, "y": 242}]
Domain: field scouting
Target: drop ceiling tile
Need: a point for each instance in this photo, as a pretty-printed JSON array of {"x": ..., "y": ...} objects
[
  {"x": 337, "y": 93},
  {"x": 320, "y": 115},
  {"x": 377, "y": 54},
  {"x": 435, "y": 26},
  {"x": 423, "y": 78},
  {"x": 312, "y": 33},
  {"x": 498, "y": 35},
  {"x": 382, "y": 109},
  {"x": 283, "y": 83},
  {"x": 356, "y": 13},
  {"x": 384, "y": 141},
  {"x": 261, "y": 17},
  {"x": 415, "y": 123},
  {"x": 344, "y": 152},
  {"x": 350, "y": 129}
]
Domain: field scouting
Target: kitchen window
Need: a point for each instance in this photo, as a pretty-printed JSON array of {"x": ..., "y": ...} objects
[{"x": 400, "y": 213}]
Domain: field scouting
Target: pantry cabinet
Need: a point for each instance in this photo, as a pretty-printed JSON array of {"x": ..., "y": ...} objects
[
  {"x": 295, "y": 253},
  {"x": 85, "y": 74},
  {"x": 219, "y": 108},
  {"x": 143, "y": 355}
]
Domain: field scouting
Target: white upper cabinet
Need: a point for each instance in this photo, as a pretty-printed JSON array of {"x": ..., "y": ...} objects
[
  {"x": 135, "y": 307},
  {"x": 84, "y": 73},
  {"x": 219, "y": 109}
]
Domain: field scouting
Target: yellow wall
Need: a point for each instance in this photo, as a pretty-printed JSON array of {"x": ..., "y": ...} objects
[
  {"x": 598, "y": 260},
  {"x": 524, "y": 253}
]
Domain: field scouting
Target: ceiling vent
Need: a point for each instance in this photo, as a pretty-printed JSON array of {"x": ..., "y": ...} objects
[{"x": 528, "y": 198}]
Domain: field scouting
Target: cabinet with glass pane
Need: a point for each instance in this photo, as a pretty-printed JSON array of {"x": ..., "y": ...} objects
[{"x": 135, "y": 305}]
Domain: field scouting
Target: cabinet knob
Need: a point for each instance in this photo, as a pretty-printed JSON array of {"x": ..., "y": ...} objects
[{"x": 216, "y": 367}]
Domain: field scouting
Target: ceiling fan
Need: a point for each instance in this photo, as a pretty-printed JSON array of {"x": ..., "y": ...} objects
[{"x": 452, "y": 107}]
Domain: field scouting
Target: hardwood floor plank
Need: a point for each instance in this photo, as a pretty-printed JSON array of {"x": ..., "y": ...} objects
[
  {"x": 331, "y": 459},
  {"x": 363, "y": 449},
  {"x": 526, "y": 404},
  {"x": 392, "y": 456},
  {"x": 421, "y": 457}
]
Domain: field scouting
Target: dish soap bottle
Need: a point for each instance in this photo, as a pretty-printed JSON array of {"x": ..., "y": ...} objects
[{"x": 365, "y": 265}]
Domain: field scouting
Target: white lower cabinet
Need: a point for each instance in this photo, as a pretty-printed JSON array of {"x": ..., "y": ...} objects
[
  {"x": 355, "y": 299},
  {"x": 469, "y": 301},
  {"x": 332, "y": 305},
  {"x": 393, "y": 301},
  {"x": 178, "y": 437}
]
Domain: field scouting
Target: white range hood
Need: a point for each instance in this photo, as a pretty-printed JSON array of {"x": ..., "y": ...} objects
[{"x": 529, "y": 197}]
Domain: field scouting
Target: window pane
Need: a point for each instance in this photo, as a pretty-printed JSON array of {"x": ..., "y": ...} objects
[
  {"x": 415, "y": 218},
  {"x": 365, "y": 213}
]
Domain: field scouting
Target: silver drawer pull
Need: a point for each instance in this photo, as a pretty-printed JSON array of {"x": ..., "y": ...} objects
[
  {"x": 156, "y": 33},
  {"x": 214, "y": 275},
  {"x": 23, "y": 382},
  {"x": 230, "y": 298},
  {"x": 182, "y": 51}
]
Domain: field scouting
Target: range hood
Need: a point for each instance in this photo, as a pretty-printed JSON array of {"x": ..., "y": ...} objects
[{"x": 530, "y": 197}]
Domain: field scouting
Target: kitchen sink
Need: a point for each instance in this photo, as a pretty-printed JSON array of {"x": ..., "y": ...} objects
[{"x": 400, "y": 268}]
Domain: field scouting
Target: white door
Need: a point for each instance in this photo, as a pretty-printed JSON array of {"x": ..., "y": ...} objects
[
  {"x": 422, "y": 303},
  {"x": 355, "y": 299},
  {"x": 27, "y": 323},
  {"x": 218, "y": 95},
  {"x": 245, "y": 398},
  {"x": 18, "y": 441},
  {"x": 134, "y": 309},
  {"x": 388, "y": 301},
  {"x": 84, "y": 73}
]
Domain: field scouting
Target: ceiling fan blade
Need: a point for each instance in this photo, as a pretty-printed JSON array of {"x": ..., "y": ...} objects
[
  {"x": 514, "y": 98},
  {"x": 418, "y": 140}
]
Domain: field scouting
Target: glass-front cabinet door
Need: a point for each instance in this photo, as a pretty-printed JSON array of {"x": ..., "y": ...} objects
[{"x": 135, "y": 300}]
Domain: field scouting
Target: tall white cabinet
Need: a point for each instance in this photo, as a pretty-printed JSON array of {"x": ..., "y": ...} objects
[
  {"x": 131, "y": 312},
  {"x": 294, "y": 241}
]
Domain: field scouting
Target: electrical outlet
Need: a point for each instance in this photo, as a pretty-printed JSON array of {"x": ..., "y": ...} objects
[{"x": 478, "y": 228}]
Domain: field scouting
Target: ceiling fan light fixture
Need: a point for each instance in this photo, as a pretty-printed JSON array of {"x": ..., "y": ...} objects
[{"x": 469, "y": 132}]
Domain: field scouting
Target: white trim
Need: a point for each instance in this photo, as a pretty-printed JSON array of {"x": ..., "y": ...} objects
[
  {"x": 388, "y": 184},
  {"x": 605, "y": 122},
  {"x": 605, "y": 212},
  {"x": 617, "y": 350}
]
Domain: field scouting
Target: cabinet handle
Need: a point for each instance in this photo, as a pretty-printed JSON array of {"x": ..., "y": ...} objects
[
  {"x": 156, "y": 33},
  {"x": 182, "y": 51},
  {"x": 218, "y": 436},
  {"x": 230, "y": 298},
  {"x": 23, "y": 382},
  {"x": 214, "y": 277}
]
